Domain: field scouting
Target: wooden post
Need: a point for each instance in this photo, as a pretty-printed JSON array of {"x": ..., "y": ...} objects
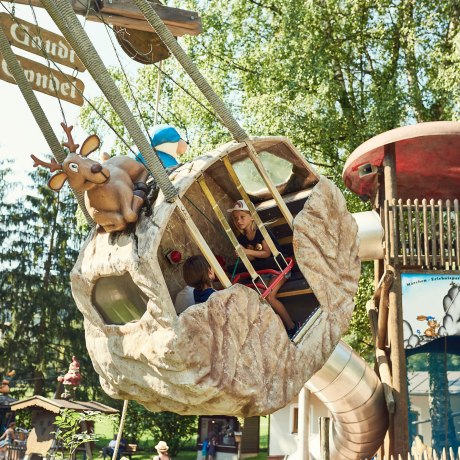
[
  {"x": 89, "y": 453},
  {"x": 399, "y": 432},
  {"x": 390, "y": 186},
  {"x": 381, "y": 359},
  {"x": 382, "y": 328},
  {"x": 304, "y": 424},
  {"x": 324, "y": 438},
  {"x": 400, "y": 444}
]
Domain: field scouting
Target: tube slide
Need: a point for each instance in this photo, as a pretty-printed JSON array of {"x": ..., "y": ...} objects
[{"x": 352, "y": 392}]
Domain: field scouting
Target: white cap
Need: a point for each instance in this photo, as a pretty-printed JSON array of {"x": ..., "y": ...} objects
[{"x": 240, "y": 205}]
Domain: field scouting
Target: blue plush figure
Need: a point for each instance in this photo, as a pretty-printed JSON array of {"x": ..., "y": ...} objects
[{"x": 168, "y": 144}]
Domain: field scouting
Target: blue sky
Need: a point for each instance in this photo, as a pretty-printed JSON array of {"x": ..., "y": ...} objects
[{"x": 20, "y": 136}]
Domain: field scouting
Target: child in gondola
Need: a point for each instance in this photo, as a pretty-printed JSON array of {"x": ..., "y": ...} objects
[
  {"x": 258, "y": 252},
  {"x": 199, "y": 275}
]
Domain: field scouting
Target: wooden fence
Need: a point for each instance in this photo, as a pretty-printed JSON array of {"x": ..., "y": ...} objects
[
  {"x": 429, "y": 454},
  {"x": 422, "y": 234},
  {"x": 15, "y": 453}
]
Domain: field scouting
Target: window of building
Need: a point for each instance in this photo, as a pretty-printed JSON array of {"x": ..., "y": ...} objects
[
  {"x": 295, "y": 420},
  {"x": 223, "y": 428}
]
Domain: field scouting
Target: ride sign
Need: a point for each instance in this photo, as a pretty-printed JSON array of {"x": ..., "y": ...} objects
[
  {"x": 46, "y": 80},
  {"x": 36, "y": 40}
]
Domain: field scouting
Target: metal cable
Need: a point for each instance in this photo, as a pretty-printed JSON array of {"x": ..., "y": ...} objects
[
  {"x": 26, "y": 89},
  {"x": 65, "y": 18},
  {"x": 170, "y": 41}
]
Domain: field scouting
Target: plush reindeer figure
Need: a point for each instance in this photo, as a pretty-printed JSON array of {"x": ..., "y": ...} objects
[{"x": 114, "y": 191}]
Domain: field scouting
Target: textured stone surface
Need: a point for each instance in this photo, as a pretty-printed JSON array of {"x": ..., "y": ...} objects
[{"x": 230, "y": 355}]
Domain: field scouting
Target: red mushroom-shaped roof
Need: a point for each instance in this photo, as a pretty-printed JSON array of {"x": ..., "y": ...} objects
[{"x": 427, "y": 161}]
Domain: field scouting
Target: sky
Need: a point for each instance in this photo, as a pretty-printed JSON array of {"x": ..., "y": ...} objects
[{"x": 20, "y": 135}]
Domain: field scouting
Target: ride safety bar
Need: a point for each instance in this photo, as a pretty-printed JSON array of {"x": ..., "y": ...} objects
[{"x": 278, "y": 274}]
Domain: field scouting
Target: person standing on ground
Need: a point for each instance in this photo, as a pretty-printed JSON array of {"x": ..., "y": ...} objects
[
  {"x": 162, "y": 449},
  {"x": 204, "y": 449},
  {"x": 7, "y": 438},
  {"x": 212, "y": 448}
]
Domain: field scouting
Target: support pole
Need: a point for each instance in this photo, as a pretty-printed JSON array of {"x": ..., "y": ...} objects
[
  {"x": 324, "y": 423},
  {"x": 304, "y": 424},
  {"x": 399, "y": 429},
  {"x": 120, "y": 429}
]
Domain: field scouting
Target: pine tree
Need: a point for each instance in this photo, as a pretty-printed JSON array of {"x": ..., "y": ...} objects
[{"x": 39, "y": 246}]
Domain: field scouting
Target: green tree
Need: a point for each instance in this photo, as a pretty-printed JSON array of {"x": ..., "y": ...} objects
[
  {"x": 37, "y": 254},
  {"x": 74, "y": 429},
  {"x": 175, "y": 429}
]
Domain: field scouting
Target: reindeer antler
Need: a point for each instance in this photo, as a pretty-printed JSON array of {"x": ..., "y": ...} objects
[
  {"x": 53, "y": 166},
  {"x": 70, "y": 143}
]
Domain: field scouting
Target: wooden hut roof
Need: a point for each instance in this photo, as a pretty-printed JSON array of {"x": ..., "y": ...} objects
[{"x": 56, "y": 405}]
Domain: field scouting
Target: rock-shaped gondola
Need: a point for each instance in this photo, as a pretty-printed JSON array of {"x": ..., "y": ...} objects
[{"x": 231, "y": 354}]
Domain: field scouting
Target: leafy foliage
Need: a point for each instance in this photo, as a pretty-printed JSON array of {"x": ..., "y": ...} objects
[
  {"x": 175, "y": 429},
  {"x": 73, "y": 429}
]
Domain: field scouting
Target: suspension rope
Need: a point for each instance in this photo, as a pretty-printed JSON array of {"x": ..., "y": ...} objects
[
  {"x": 38, "y": 113},
  {"x": 65, "y": 18},
  {"x": 218, "y": 105},
  {"x": 169, "y": 40},
  {"x": 127, "y": 80}
]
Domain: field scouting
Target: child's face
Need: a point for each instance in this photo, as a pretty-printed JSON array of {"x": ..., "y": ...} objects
[{"x": 242, "y": 220}]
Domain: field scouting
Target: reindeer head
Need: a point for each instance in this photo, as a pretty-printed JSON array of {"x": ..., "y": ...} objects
[{"x": 82, "y": 173}]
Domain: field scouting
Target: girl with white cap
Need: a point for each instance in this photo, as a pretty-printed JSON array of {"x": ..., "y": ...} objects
[{"x": 257, "y": 250}]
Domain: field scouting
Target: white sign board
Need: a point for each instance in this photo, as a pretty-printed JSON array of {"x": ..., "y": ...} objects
[{"x": 431, "y": 307}]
